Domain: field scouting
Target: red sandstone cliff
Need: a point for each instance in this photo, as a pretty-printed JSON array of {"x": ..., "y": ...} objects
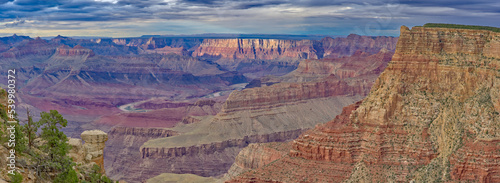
[
  {"x": 259, "y": 49},
  {"x": 292, "y": 50},
  {"x": 431, "y": 116}
]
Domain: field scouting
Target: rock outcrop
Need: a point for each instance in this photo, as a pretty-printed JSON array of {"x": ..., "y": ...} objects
[
  {"x": 273, "y": 113},
  {"x": 256, "y": 156},
  {"x": 432, "y": 115},
  {"x": 258, "y": 49},
  {"x": 278, "y": 57},
  {"x": 92, "y": 151},
  {"x": 339, "y": 47}
]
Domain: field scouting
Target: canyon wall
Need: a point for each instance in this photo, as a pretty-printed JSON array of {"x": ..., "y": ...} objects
[
  {"x": 257, "y": 49},
  {"x": 292, "y": 50},
  {"x": 273, "y": 113},
  {"x": 338, "y": 47},
  {"x": 261, "y": 57},
  {"x": 432, "y": 115}
]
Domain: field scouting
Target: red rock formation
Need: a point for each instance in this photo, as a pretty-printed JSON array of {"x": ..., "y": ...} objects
[
  {"x": 339, "y": 47},
  {"x": 477, "y": 161},
  {"x": 271, "y": 113},
  {"x": 360, "y": 63},
  {"x": 261, "y": 49},
  {"x": 291, "y": 50},
  {"x": 431, "y": 116},
  {"x": 256, "y": 156}
]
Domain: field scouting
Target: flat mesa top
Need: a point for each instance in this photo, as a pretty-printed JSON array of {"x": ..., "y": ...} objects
[
  {"x": 458, "y": 26},
  {"x": 93, "y": 132}
]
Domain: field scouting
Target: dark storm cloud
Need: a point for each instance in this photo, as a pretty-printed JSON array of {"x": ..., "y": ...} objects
[
  {"x": 248, "y": 5},
  {"x": 141, "y": 4},
  {"x": 477, "y": 5},
  {"x": 126, "y": 9},
  {"x": 299, "y": 16}
]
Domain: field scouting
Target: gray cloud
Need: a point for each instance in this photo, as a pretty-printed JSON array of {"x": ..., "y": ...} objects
[{"x": 266, "y": 16}]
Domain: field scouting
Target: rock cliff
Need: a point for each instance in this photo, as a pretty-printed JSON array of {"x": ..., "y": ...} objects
[
  {"x": 339, "y": 47},
  {"x": 259, "y": 49},
  {"x": 432, "y": 115},
  {"x": 256, "y": 156},
  {"x": 274, "y": 113},
  {"x": 260, "y": 57}
]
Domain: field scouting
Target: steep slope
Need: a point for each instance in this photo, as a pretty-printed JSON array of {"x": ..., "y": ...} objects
[
  {"x": 275, "y": 113},
  {"x": 339, "y": 47},
  {"x": 261, "y": 49},
  {"x": 260, "y": 57},
  {"x": 431, "y": 116}
]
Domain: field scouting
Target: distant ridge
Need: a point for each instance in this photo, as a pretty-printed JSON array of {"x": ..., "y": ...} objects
[{"x": 245, "y": 36}]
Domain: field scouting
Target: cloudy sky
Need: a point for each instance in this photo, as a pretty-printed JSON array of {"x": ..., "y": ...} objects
[{"x": 127, "y": 18}]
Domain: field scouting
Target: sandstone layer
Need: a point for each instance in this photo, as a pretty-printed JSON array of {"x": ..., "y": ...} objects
[
  {"x": 261, "y": 49},
  {"x": 260, "y": 57},
  {"x": 274, "y": 113},
  {"x": 431, "y": 116},
  {"x": 256, "y": 156}
]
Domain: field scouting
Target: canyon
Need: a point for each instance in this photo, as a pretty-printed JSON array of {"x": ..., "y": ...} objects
[
  {"x": 180, "y": 105},
  {"x": 432, "y": 115},
  {"x": 276, "y": 112}
]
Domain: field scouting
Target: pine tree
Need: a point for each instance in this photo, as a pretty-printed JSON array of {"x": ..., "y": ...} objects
[
  {"x": 56, "y": 146},
  {"x": 30, "y": 128}
]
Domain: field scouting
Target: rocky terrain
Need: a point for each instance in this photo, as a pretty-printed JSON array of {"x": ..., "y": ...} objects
[
  {"x": 432, "y": 116},
  {"x": 177, "y": 88},
  {"x": 85, "y": 152},
  {"x": 270, "y": 113},
  {"x": 278, "y": 57}
]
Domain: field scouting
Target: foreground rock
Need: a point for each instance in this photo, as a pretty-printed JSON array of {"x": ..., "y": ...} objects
[
  {"x": 92, "y": 151},
  {"x": 431, "y": 116}
]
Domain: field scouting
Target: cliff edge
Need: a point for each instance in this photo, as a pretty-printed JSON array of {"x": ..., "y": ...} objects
[{"x": 432, "y": 115}]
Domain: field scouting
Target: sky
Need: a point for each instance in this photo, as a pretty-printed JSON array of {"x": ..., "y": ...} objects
[{"x": 131, "y": 18}]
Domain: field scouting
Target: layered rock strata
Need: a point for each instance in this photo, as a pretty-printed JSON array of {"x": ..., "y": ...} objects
[
  {"x": 274, "y": 113},
  {"x": 256, "y": 156},
  {"x": 262, "y": 49},
  {"x": 432, "y": 115},
  {"x": 260, "y": 57}
]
